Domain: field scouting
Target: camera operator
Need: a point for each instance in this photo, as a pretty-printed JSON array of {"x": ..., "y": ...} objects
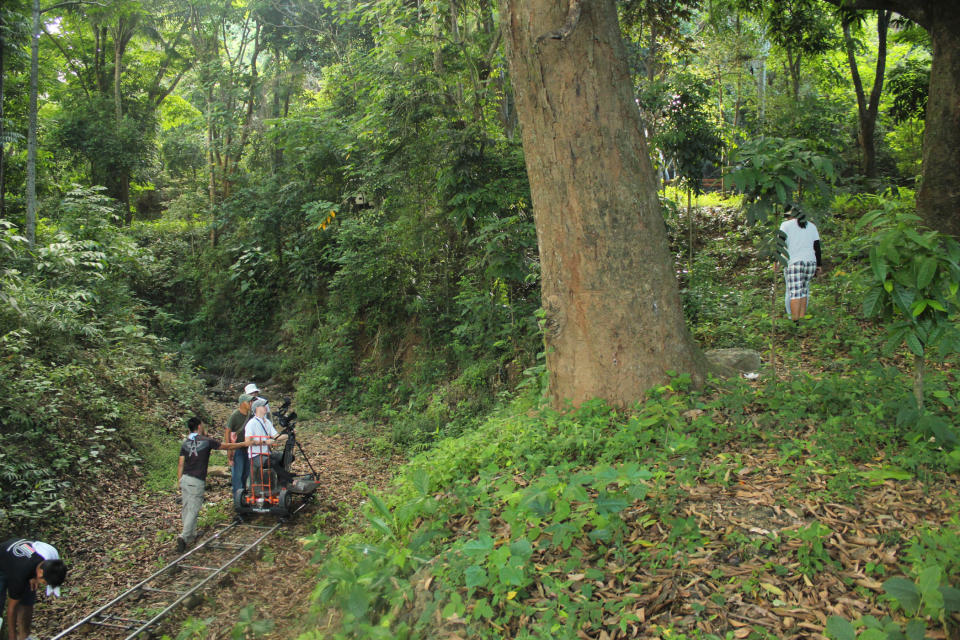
[{"x": 264, "y": 436}]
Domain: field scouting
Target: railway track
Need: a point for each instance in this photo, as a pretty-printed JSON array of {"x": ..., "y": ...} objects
[{"x": 135, "y": 613}]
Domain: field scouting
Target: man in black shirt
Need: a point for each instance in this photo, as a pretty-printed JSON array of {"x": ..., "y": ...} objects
[
  {"x": 192, "y": 475},
  {"x": 24, "y": 567}
]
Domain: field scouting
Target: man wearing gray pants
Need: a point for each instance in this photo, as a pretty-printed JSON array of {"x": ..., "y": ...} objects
[{"x": 192, "y": 475}]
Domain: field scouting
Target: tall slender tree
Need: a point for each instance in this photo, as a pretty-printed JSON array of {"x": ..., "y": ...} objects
[
  {"x": 867, "y": 108},
  {"x": 614, "y": 322}
]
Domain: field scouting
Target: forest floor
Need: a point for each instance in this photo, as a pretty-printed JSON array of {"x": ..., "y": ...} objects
[
  {"x": 126, "y": 536},
  {"x": 754, "y": 566}
]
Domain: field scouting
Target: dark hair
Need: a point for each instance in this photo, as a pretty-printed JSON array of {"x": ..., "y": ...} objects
[
  {"x": 794, "y": 212},
  {"x": 54, "y": 572},
  {"x": 193, "y": 424}
]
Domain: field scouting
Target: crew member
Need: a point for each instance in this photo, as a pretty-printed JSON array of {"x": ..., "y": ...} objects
[
  {"x": 233, "y": 432},
  {"x": 261, "y": 435},
  {"x": 25, "y": 566},
  {"x": 192, "y": 475}
]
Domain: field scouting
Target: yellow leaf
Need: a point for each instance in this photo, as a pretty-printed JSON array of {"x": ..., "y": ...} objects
[
  {"x": 511, "y": 595},
  {"x": 772, "y": 589}
]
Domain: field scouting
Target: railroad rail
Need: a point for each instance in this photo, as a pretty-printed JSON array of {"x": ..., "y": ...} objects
[{"x": 138, "y": 610}]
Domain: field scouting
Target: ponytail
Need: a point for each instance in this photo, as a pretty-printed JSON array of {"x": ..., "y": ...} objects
[{"x": 796, "y": 213}]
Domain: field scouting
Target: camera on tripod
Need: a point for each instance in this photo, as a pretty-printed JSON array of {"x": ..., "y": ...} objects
[{"x": 286, "y": 421}]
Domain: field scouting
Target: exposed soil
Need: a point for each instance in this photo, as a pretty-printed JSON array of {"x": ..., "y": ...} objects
[{"x": 125, "y": 536}]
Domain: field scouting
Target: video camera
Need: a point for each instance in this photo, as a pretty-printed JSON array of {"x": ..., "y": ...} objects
[{"x": 286, "y": 421}]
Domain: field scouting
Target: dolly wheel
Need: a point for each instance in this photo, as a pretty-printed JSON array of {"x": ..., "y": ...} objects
[{"x": 238, "y": 499}]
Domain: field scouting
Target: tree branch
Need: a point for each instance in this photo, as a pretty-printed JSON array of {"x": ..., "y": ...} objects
[
  {"x": 68, "y": 59},
  {"x": 915, "y": 10},
  {"x": 61, "y": 5}
]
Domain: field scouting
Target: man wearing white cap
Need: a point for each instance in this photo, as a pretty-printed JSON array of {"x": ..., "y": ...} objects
[
  {"x": 24, "y": 567},
  {"x": 252, "y": 390},
  {"x": 261, "y": 432}
]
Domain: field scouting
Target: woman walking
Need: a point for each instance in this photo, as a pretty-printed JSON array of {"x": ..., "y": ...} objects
[{"x": 803, "y": 261}]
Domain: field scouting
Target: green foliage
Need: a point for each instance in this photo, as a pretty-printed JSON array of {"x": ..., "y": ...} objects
[
  {"x": 906, "y": 146},
  {"x": 811, "y": 553},
  {"x": 922, "y": 599},
  {"x": 916, "y": 276},
  {"x": 115, "y": 150},
  {"x": 685, "y": 133},
  {"x": 908, "y": 83},
  {"x": 773, "y": 172},
  {"x": 250, "y": 625},
  {"x": 81, "y": 377},
  {"x": 192, "y": 629}
]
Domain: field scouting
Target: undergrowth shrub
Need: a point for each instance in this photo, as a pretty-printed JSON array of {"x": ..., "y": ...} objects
[{"x": 79, "y": 368}]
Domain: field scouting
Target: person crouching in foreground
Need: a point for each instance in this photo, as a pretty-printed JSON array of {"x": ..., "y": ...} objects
[{"x": 26, "y": 566}]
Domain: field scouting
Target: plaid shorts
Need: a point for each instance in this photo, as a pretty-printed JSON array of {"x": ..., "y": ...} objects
[{"x": 798, "y": 275}]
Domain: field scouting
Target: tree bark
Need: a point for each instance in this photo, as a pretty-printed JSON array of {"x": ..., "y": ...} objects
[
  {"x": 919, "y": 363},
  {"x": 614, "y": 322},
  {"x": 938, "y": 201},
  {"x": 31, "y": 195},
  {"x": 3, "y": 146}
]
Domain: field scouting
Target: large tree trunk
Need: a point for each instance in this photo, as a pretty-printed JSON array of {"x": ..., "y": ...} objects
[
  {"x": 3, "y": 146},
  {"x": 938, "y": 201},
  {"x": 614, "y": 322}
]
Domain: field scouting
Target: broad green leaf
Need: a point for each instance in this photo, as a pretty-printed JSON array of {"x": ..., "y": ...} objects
[
  {"x": 929, "y": 579},
  {"x": 918, "y": 307},
  {"x": 916, "y": 630},
  {"x": 475, "y": 576},
  {"x": 932, "y": 603},
  {"x": 421, "y": 481},
  {"x": 928, "y": 268},
  {"x": 499, "y": 557},
  {"x": 873, "y": 302},
  {"x": 380, "y": 525},
  {"x": 913, "y": 343},
  {"x": 511, "y": 575},
  {"x": 903, "y": 298},
  {"x": 479, "y": 547},
  {"x": 521, "y": 548},
  {"x": 878, "y": 264},
  {"x": 840, "y": 629},
  {"x": 611, "y": 503},
  {"x": 879, "y": 476},
  {"x": 358, "y": 600},
  {"x": 380, "y": 506},
  {"x": 905, "y": 592},
  {"x": 951, "y": 599}
]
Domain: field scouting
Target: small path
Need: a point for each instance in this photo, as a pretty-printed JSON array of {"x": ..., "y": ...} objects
[{"x": 125, "y": 535}]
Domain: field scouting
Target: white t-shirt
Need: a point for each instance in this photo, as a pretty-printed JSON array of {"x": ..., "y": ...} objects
[
  {"x": 259, "y": 427},
  {"x": 800, "y": 241}
]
